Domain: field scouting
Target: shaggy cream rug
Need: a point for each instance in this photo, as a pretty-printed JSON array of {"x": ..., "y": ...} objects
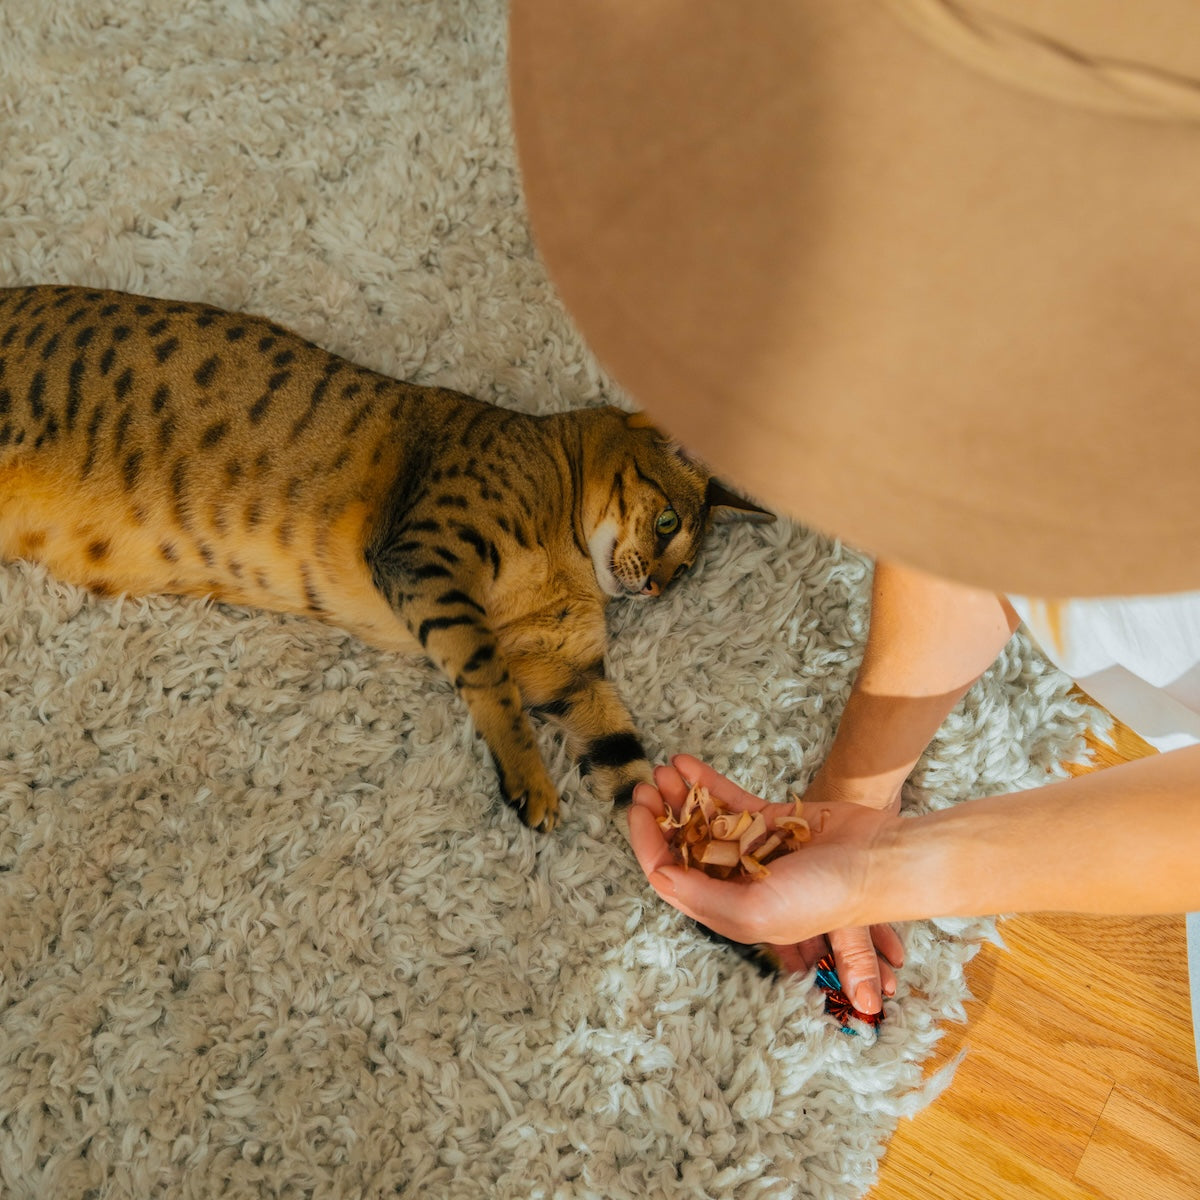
[{"x": 265, "y": 929}]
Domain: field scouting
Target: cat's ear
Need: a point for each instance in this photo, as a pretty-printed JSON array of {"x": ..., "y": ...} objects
[{"x": 724, "y": 505}]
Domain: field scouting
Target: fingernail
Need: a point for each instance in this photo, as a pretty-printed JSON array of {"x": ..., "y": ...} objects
[
  {"x": 675, "y": 763},
  {"x": 867, "y": 999},
  {"x": 662, "y": 884}
]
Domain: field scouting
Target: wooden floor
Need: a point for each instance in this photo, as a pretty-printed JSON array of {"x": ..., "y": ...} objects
[{"x": 1080, "y": 1078}]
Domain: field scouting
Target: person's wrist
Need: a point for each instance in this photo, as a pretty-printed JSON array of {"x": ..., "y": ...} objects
[
  {"x": 879, "y": 792},
  {"x": 892, "y": 867},
  {"x": 919, "y": 867}
]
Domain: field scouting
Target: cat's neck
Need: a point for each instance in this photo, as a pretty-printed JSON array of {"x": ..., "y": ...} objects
[{"x": 590, "y": 439}]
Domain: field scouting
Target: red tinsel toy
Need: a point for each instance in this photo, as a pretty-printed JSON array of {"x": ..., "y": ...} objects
[{"x": 837, "y": 1003}]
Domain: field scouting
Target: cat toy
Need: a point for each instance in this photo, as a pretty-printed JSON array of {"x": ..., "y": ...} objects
[{"x": 837, "y": 1003}]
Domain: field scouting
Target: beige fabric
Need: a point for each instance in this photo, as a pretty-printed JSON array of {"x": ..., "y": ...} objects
[
  {"x": 1061, "y": 51},
  {"x": 937, "y": 313}
]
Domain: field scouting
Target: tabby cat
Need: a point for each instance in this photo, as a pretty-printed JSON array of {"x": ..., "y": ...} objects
[{"x": 153, "y": 446}]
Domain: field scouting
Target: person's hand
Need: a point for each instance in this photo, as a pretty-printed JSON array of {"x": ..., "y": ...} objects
[
  {"x": 865, "y": 955},
  {"x": 807, "y": 894}
]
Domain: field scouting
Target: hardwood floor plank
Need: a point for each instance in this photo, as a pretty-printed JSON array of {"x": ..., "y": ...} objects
[
  {"x": 1135, "y": 1025},
  {"x": 1138, "y": 1152},
  {"x": 1021, "y": 1078},
  {"x": 959, "y": 1158},
  {"x": 1041, "y": 1092}
]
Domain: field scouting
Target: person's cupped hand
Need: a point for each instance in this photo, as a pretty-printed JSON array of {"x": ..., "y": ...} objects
[{"x": 809, "y": 903}]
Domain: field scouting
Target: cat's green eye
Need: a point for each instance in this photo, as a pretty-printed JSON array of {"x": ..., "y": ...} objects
[{"x": 667, "y": 523}]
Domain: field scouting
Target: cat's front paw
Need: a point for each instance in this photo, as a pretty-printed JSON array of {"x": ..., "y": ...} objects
[
  {"x": 539, "y": 809},
  {"x": 620, "y": 789},
  {"x": 616, "y": 763},
  {"x": 536, "y": 802}
]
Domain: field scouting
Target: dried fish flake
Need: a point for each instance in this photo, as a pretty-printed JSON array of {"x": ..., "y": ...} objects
[{"x": 728, "y": 843}]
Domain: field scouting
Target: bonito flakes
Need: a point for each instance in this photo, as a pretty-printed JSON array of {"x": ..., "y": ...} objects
[{"x": 728, "y": 843}]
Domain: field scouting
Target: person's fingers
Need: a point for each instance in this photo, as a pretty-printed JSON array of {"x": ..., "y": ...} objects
[
  {"x": 671, "y": 786},
  {"x": 692, "y": 771},
  {"x": 718, "y": 903},
  {"x": 645, "y": 835},
  {"x": 649, "y": 797},
  {"x": 858, "y": 968},
  {"x": 887, "y": 977},
  {"x": 796, "y": 958},
  {"x": 887, "y": 942}
]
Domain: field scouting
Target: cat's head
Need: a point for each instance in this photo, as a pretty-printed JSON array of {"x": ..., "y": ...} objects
[{"x": 650, "y": 506}]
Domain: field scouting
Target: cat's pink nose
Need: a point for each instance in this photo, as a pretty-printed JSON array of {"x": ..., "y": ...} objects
[{"x": 652, "y": 588}]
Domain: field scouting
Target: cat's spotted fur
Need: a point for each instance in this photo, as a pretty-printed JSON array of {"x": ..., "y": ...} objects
[{"x": 156, "y": 446}]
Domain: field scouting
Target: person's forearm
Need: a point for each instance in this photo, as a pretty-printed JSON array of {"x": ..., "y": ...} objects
[
  {"x": 1123, "y": 840},
  {"x": 929, "y": 641}
]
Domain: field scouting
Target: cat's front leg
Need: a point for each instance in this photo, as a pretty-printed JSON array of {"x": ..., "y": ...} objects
[
  {"x": 599, "y": 731},
  {"x": 453, "y": 631}
]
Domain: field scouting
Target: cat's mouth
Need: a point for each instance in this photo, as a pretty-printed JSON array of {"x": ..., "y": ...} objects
[{"x": 602, "y": 546}]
